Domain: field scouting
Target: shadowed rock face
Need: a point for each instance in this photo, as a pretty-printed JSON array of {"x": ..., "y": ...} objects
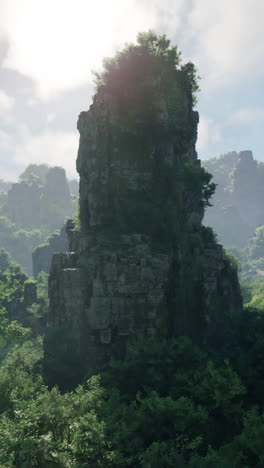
[
  {"x": 141, "y": 263},
  {"x": 42, "y": 255}
]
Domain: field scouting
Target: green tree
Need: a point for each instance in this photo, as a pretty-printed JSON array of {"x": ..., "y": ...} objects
[
  {"x": 256, "y": 244},
  {"x": 151, "y": 56}
]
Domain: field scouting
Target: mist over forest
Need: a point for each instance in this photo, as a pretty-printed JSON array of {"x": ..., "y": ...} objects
[{"x": 132, "y": 297}]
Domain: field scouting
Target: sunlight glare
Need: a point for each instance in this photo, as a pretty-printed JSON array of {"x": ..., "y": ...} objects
[{"x": 59, "y": 42}]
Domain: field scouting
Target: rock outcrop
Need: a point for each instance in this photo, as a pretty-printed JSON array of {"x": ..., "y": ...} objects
[
  {"x": 32, "y": 203},
  {"x": 56, "y": 201},
  {"x": 238, "y": 202},
  {"x": 23, "y": 203},
  {"x": 248, "y": 189},
  {"x": 141, "y": 262},
  {"x": 34, "y": 208},
  {"x": 42, "y": 255}
]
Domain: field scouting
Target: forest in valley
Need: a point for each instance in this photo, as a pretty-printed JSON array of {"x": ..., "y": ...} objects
[
  {"x": 172, "y": 401},
  {"x": 193, "y": 398}
]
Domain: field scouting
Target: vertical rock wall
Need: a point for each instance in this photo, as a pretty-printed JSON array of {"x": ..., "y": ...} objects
[
  {"x": 42, "y": 255},
  {"x": 141, "y": 262}
]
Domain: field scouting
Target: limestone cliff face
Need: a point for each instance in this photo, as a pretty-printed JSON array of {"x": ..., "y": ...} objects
[
  {"x": 141, "y": 263},
  {"x": 42, "y": 255}
]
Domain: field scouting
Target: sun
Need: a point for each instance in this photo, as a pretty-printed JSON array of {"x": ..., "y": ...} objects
[{"x": 59, "y": 42}]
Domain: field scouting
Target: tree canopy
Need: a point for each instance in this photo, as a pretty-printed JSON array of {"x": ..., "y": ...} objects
[{"x": 152, "y": 59}]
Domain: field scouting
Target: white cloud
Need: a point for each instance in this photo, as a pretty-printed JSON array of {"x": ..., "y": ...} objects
[
  {"x": 54, "y": 148},
  {"x": 8, "y": 175},
  {"x": 208, "y": 133},
  {"x": 6, "y": 147},
  {"x": 203, "y": 134},
  {"x": 228, "y": 39},
  {"x": 245, "y": 117},
  {"x": 223, "y": 38},
  {"x": 51, "y": 117},
  {"x": 6, "y": 141},
  {"x": 57, "y": 43},
  {"x": 6, "y": 107}
]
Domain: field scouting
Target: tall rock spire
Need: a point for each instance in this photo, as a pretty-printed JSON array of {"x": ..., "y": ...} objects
[{"x": 141, "y": 261}]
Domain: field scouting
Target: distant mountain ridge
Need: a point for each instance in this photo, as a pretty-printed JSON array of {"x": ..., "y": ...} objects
[
  {"x": 238, "y": 207},
  {"x": 33, "y": 208}
]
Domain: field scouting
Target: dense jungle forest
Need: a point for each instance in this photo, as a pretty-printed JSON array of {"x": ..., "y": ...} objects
[{"x": 187, "y": 390}]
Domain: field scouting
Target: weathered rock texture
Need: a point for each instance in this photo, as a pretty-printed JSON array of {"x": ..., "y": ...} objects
[
  {"x": 42, "y": 255},
  {"x": 141, "y": 262}
]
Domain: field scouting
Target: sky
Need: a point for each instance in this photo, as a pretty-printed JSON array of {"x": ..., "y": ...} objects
[{"x": 49, "y": 48}]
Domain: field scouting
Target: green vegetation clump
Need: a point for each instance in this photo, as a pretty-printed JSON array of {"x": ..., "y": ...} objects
[
  {"x": 117, "y": 69},
  {"x": 39, "y": 309},
  {"x": 150, "y": 66},
  {"x": 251, "y": 260},
  {"x": 76, "y": 219},
  {"x": 198, "y": 187},
  {"x": 20, "y": 243},
  {"x": 170, "y": 403},
  {"x": 234, "y": 261},
  {"x": 256, "y": 244},
  {"x": 34, "y": 172},
  {"x": 253, "y": 292}
]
